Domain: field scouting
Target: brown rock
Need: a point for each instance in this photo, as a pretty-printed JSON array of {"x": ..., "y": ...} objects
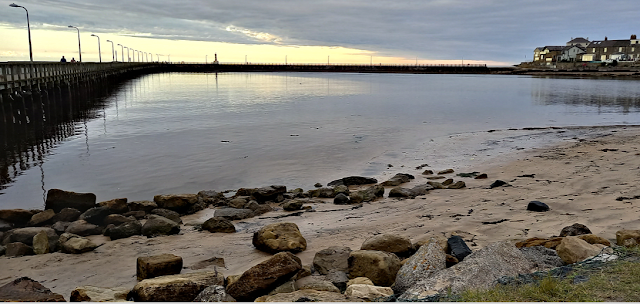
[
  {"x": 428, "y": 238},
  {"x": 262, "y": 278},
  {"x": 279, "y": 237},
  {"x": 575, "y": 229},
  {"x": 76, "y": 244},
  {"x": 360, "y": 280},
  {"x": 319, "y": 283},
  {"x": 397, "y": 244},
  {"x": 447, "y": 171},
  {"x": 624, "y": 235},
  {"x": 428, "y": 260},
  {"x": 332, "y": 258},
  {"x": 368, "y": 293},
  {"x": 572, "y": 250},
  {"x": 118, "y": 205},
  {"x": 180, "y": 203},
  {"x": 18, "y": 249},
  {"x": 41, "y": 243},
  {"x": 548, "y": 243},
  {"x": 99, "y": 294},
  {"x": 379, "y": 266},
  {"x": 594, "y": 239},
  {"x": 67, "y": 215},
  {"x": 18, "y": 217},
  {"x": 41, "y": 219},
  {"x": 158, "y": 265},
  {"x": 457, "y": 185},
  {"x": 307, "y": 295},
  {"x": 145, "y": 206},
  {"x": 59, "y": 199},
  {"x": 27, "y": 290},
  {"x": 117, "y": 219},
  {"x": 219, "y": 262},
  {"x": 175, "y": 288},
  {"x": 219, "y": 224}
]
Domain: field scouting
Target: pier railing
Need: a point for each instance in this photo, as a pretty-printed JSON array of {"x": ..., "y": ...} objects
[{"x": 14, "y": 75}]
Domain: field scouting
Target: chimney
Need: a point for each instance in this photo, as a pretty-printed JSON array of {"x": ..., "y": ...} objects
[
  {"x": 633, "y": 37},
  {"x": 605, "y": 38}
]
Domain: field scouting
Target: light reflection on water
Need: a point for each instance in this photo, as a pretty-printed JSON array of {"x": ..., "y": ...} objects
[{"x": 182, "y": 133}]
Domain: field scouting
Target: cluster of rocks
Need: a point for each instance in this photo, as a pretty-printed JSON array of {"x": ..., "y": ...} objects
[{"x": 386, "y": 266}]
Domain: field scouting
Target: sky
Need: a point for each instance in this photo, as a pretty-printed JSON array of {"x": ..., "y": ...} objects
[{"x": 493, "y": 32}]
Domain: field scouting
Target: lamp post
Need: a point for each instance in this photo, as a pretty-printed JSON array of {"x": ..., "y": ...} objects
[
  {"x": 99, "y": 50},
  {"x": 157, "y": 57},
  {"x": 205, "y": 59},
  {"x": 79, "y": 49},
  {"x": 28, "y": 29},
  {"x": 113, "y": 56},
  {"x": 128, "y": 56},
  {"x": 122, "y": 51},
  {"x": 169, "y": 58}
]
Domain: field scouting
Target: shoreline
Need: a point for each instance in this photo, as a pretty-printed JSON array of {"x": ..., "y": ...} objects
[{"x": 575, "y": 177}]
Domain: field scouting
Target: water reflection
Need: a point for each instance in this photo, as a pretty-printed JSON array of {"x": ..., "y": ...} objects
[{"x": 605, "y": 96}]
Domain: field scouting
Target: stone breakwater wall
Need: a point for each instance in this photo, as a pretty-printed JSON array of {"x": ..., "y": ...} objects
[{"x": 386, "y": 266}]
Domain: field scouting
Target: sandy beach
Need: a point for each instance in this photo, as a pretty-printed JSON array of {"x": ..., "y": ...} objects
[{"x": 580, "y": 179}]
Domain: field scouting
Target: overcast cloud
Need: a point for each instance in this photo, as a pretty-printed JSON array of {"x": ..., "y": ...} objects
[{"x": 493, "y": 30}]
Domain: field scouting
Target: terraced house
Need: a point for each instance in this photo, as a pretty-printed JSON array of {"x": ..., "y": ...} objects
[{"x": 583, "y": 50}]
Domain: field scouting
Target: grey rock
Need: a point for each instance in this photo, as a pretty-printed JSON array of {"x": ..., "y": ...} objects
[
  {"x": 67, "y": 215},
  {"x": 219, "y": 224},
  {"x": 42, "y": 219},
  {"x": 25, "y": 235},
  {"x": 341, "y": 199},
  {"x": 25, "y": 289},
  {"x": 17, "y": 217},
  {"x": 340, "y": 189},
  {"x": 261, "y": 209},
  {"x": 59, "y": 199},
  {"x": 75, "y": 244},
  {"x": 537, "y": 206},
  {"x": 117, "y": 219},
  {"x": 293, "y": 205},
  {"x": 82, "y": 228},
  {"x": 338, "y": 278},
  {"x": 158, "y": 225},
  {"x": 4, "y": 226},
  {"x": 211, "y": 197},
  {"x": 458, "y": 247},
  {"x": 166, "y": 213},
  {"x": 428, "y": 260},
  {"x": 457, "y": 185},
  {"x": 319, "y": 283},
  {"x": 397, "y": 244},
  {"x": 332, "y": 258},
  {"x": 118, "y": 205},
  {"x": 379, "y": 266},
  {"x": 233, "y": 213},
  {"x": 400, "y": 192},
  {"x": 125, "y": 230},
  {"x": 96, "y": 215},
  {"x": 367, "y": 195},
  {"x": 138, "y": 215},
  {"x": 215, "y": 293},
  {"x": 542, "y": 258},
  {"x": 479, "y": 270},
  {"x": 3, "y": 250},
  {"x": 60, "y": 227},
  {"x": 239, "y": 202},
  {"x": 322, "y": 193}
]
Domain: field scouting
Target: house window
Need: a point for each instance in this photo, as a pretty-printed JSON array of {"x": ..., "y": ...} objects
[
  {"x": 594, "y": 50},
  {"x": 620, "y": 49},
  {"x": 605, "y": 50},
  {"x": 633, "y": 49}
]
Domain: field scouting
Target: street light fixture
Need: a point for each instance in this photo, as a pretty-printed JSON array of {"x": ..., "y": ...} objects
[
  {"x": 99, "y": 50},
  {"x": 113, "y": 56},
  {"x": 28, "y": 29},
  {"x": 122, "y": 51},
  {"x": 79, "y": 49},
  {"x": 128, "y": 56}
]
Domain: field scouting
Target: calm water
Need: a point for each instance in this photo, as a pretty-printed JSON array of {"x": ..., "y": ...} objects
[{"x": 182, "y": 133}]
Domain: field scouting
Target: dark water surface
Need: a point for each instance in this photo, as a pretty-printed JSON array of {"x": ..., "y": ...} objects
[{"x": 182, "y": 133}]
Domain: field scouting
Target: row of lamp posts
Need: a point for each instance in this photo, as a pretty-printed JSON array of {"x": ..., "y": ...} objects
[{"x": 113, "y": 57}]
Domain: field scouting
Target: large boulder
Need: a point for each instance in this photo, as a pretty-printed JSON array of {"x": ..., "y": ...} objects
[
  {"x": 158, "y": 265},
  {"x": 219, "y": 224},
  {"x": 379, "y": 266},
  {"x": 367, "y": 293},
  {"x": 175, "y": 288},
  {"x": 118, "y": 219},
  {"x": 293, "y": 205},
  {"x": 158, "y": 225},
  {"x": 397, "y": 244},
  {"x": 341, "y": 199},
  {"x": 180, "y": 203},
  {"x": 215, "y": 293},
  {"x": 166, "y": 213},
  {"x": 99, "y": 294},
  {"x": 41, "y": 243},
  {"x": 573, "y": 249},
  {"x": 233, "y": 213},
  {"x": 353, "y": 180},
  {"x": 367, "y": 195},
  {"x": 75, "y": 244},
  {"x": 18, "y": 249},
  {"x": 41, "y": 219},
  {"x": 264, "y": 194},
  {"x": 398, "y": 179},
  {"x": 307, "y": 295},
  {"x": 428, "y": 260},
  {"x": 338, "y": 278},
  {"x": 17, "y": 217},
  {"x": 27, "y": 290},
  {"x": 59, "y": 199},
  {"x": 118, "y": 205},
  {"x": 628, "y": 238},
  {"x": 551, "y": 243},
  {"x": 575, "y": 229},
  {"x": 25, "y": 235},
  {"x": 262, "y": 278},
  {"x": 5, "y": 226},
  {"x": 95, "y": 215},
  {"x": 332, "y": 258},
  {"x": 211, "y": 197},
  {"x": 478, "y": 271},
  {"x": 542, "y": 257},
  {"x": 594, "y": 239},
  {"x": 67, "y": 215},
  {"x": 125, "y": 230},
  {"x": 279, "y": 237},
  {"x": 83, "y": 228}
]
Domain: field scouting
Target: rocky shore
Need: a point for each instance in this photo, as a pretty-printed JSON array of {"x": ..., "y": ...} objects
[{"x": 421, "y": 233}]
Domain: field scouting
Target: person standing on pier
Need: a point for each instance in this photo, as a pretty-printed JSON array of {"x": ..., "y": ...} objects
[
  {"x": 63, "y": 59},
  {"x": 73, "y": 59}
]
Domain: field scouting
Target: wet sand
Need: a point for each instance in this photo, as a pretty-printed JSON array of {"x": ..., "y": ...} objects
[{"x": 579, "y": 178}]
